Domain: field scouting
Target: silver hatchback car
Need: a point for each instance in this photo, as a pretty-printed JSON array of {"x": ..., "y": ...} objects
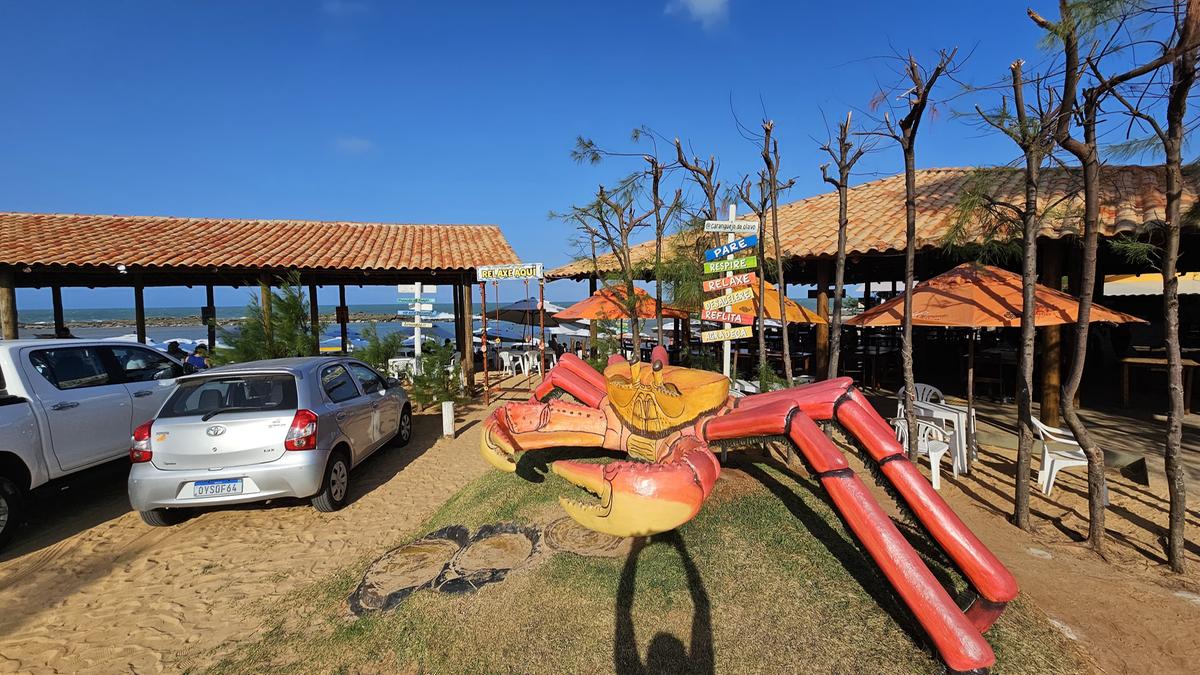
[{"x": 261, "y": 430}]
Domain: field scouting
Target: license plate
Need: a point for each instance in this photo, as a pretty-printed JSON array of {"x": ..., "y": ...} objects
[{"x": 216, "y": 488}]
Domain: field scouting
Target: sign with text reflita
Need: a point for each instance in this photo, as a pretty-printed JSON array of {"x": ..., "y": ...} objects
[
  {"x": 747, "y": 263},
  {"x": 731, "y": 248},
  {"x": 720, "y": 316},
  {"x": 735, "y": 281}
]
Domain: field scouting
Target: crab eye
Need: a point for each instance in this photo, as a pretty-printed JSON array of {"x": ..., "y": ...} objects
[{"x": 658, "y": 365}]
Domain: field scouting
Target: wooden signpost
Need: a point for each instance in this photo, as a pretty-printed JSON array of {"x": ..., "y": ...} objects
[
  {"x": 412, "y": 317},
  {"x": 720, "y": 259}
]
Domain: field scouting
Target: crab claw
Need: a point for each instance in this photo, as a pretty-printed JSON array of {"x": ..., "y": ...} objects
[
  {"x": 639, "y": 499},
  {"x": 497, "y": 446}
]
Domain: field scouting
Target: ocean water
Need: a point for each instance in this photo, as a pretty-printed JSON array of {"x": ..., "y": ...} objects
[{"x": 105, "y": 314}]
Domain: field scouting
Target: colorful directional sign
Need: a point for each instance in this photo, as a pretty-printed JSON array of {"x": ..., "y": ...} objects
[
  {"x": 416, "y": 324},
  {"x": 727, "y": 317},
  {"x": 728, "y": 299},
  {"x": 731, "y": 248},
  {"x": 735, "y": 281},
  {"x": 747, "y": 263},
  {"x": 731, "y": 226},
  {"x": 726, "y": 334},
  {"x": 517, "y": 271}
]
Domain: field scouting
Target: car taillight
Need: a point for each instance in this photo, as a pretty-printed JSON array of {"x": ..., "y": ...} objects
[
  {"x": 140, "y": 451},
  {"x": 303, "y": 433}
]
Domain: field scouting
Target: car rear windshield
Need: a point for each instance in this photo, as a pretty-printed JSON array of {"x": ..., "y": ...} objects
[{"x": 247, "y": 393}]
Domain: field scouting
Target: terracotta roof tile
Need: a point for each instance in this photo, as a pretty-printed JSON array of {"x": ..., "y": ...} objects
[
  {"x": 1132, "y": 198},
  {"x": 152, "y": 241}
]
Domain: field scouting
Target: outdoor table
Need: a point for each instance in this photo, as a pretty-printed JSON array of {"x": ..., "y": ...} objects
[
  {"x": 956, "y": 416},
  {"x": 871, "y": 354},
  {"x": 1150, "y": 362}
]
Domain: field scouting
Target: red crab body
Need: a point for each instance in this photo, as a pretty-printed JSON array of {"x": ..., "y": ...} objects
[{"x": 665, "y": 417}]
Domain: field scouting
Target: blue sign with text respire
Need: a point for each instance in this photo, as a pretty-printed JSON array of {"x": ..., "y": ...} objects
[{"x": 731, "y": 248}]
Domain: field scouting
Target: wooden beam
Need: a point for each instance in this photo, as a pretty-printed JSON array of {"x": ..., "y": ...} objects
[
  {"x": 60, "y": 326},
  {"x": 821, "y": 357},
  {"x": 343, "y": 314},
  {"x": 314, "y": 319},
  {"x": 210, "y": 316},
  {"x": 264, "y": 294},
  {"x": 468, "y": 358},
  {"x": 1050, "y": 274},
  {"x": 8, "y": 304},
  {"x": 139, "y": 313}
]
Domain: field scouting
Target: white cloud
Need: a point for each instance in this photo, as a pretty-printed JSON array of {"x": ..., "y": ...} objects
[
  {"x": 343, "y": 7},
  {"x": 708, "y": 13},
  {"x": 353, "y": 146}
]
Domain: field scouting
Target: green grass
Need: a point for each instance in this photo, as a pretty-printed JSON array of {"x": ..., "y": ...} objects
[{"x": 765, "y": 579}]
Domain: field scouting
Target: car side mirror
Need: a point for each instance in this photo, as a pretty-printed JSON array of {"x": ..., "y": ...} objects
[
  {"x": 188, "y": 369},
  {"x": 392, "y": 383}
]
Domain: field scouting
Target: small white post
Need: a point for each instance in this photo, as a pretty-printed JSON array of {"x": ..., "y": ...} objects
[
  {"x": 448, "y": 419},
  {"x": 417, "y": 329}
]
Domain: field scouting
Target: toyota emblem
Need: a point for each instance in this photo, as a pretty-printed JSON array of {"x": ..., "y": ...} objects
[{"x": 215, "y": 430}]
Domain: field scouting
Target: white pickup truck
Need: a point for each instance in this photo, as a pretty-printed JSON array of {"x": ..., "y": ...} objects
[{"x": 67, "y": 405}]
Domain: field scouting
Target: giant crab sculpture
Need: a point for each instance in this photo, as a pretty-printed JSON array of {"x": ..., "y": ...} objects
[{"x": 667, "y": 418}]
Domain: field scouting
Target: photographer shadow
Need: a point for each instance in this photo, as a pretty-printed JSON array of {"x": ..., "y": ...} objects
[{"x": 666, "y": 653}]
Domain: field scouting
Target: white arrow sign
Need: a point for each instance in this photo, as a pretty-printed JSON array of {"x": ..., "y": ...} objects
[{"x": 416, "y": 324}]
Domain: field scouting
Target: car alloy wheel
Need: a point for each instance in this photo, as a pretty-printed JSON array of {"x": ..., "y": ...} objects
[{"x": 339, "y": 480}]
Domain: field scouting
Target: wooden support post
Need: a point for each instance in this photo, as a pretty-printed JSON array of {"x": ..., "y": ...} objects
[
  {"x": 264, "y": 294},
  {"x": 314, "y": 319},
  {"x": 60, "y": 326},
  {"x": 867, "y": 294},
  {"x": 487, "y": 384},
  {"x": 1050, "y": 274},
  {"x": 821, "y": 357},
  {"x": 8, "y": 304},
  {"x": 139, "y": 312},
  {"x": 468, "y": 330},
  {"x": 343, "y": 317},
  {"x": 210, "y": 316},
  {"x": 591, "y": 348}
]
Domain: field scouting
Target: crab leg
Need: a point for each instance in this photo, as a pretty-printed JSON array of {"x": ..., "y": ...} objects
[
  {"x": 574, "y": 376},
  {"x": 955, "y": 637},
  {"x": 517, "y": 427}
]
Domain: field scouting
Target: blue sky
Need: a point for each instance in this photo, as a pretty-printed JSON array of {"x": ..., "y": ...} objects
[{"x": 458, "y": 112}]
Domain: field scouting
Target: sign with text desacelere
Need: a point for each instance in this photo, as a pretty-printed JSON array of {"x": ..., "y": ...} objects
[
  {"x": 735, "y": 281},
  {"x": 747, "y": 263},
  {"x": 729, "y": 299},
  {"x": 732, "y": 247},
  {"x": 731, "y": 226},
  {"x": 719, "y": 316},
  {"x": 503, "y": 272},
  {"x": 726, "y": 334}
]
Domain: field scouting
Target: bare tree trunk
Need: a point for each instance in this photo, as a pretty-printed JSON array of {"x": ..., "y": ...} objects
[
  {"x": 770, "y": 155},
  {"x": 1183, "y": 77},
  {"x": 845, "y": 161},
  {"x": 906, "y": 332}
]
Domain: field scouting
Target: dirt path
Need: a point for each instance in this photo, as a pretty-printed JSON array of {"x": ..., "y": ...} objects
[{"x": 89, "y": 588}]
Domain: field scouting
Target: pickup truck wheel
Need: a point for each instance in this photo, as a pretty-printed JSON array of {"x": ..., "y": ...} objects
[
  {"x": 336, "y": 486},
  {"x": 160, "y": 517},
  {"x": 11, "y": 509}
]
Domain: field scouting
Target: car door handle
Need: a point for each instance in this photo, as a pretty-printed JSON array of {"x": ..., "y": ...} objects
[
  {"x": 142, "y": 392},
  {"x": 65, "y": 405}
]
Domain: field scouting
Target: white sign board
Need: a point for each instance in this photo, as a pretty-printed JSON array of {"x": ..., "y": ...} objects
[
  {"x": 421, "y": 306},
  {"x": 416, "y": 324},
  {"x": 731, "y": 226},
  {"x": 417, "y": 289},
  {"x": 503, "y": 272}
]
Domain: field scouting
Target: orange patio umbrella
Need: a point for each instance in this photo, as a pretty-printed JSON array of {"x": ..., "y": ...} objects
[
  {"x": 796, "y": 313},
  {"x": 981, "y": 296},
  {"x": 609, "y": 303}
]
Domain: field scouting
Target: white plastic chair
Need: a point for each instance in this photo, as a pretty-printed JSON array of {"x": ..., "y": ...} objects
[
  {"x": 507, "y": 363},
  {"x": 932, "y": 441},
  {"x": 924, "y": 392},
  {"x": 531, "y": 361},
  {"x": 1056, "y": 459}
]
